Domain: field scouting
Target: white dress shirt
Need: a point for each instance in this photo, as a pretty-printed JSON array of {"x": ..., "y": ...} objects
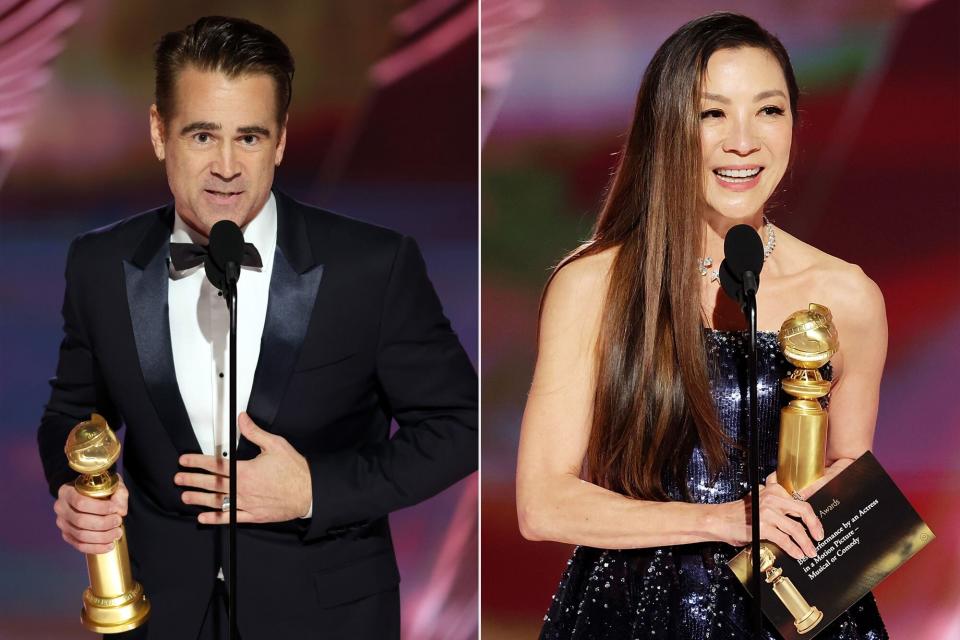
[
  {"x": 200, "y": 331},
  {"x": 200, "y": 327}
]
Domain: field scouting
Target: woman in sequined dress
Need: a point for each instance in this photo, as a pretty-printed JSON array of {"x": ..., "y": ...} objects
[{"x": 633, "y": 443}]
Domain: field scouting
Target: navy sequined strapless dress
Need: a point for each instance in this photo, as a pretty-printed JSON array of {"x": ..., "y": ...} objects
[{"x": 685, "y": 592}]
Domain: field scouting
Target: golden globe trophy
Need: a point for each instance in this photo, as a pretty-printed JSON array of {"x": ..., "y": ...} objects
[
  {"x": 808, "y": 339},
  {"x": 113, "y": 602},
  {"x": 805, "y": 617},
  {"x": 870, "y": 528}
]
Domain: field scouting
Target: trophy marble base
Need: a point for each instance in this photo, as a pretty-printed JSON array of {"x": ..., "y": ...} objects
[{"x": 115, "y": 615}]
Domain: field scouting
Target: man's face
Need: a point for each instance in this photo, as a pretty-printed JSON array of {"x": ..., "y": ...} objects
[{"x": 220, "y": 146}]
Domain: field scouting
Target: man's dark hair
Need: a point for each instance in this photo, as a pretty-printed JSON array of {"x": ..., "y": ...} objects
[{"x": 232, "y": 46}]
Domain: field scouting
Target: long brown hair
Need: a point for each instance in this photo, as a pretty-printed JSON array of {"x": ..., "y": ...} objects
[{"x": 652, "y": 402}]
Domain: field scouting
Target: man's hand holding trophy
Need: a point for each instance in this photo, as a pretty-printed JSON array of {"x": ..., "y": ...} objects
[{"x": 114, "y": 601}]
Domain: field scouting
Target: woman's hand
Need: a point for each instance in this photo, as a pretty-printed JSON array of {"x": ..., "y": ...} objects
[
  {"x": 776, "y": 505},
  {"x": 815, "y": 486}
]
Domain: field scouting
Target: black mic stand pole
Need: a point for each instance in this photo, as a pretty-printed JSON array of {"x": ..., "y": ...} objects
[
  {"x": 750, "y": 313},
  {"x": 232, "y": 275}
]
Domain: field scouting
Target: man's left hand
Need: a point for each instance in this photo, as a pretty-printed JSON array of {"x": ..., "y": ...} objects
[{"x": 273, "y": 487}]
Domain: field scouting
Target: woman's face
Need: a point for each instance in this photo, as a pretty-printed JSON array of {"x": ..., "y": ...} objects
[{"x": 745, "y": 130}]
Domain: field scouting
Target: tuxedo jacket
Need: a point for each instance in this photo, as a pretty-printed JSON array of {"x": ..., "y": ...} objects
[{"x": 354, "y": 337}]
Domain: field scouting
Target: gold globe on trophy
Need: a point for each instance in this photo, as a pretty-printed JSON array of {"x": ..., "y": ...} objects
[
  {"x": 808, "y": 339},
  {"x": 113, "y": 602}
]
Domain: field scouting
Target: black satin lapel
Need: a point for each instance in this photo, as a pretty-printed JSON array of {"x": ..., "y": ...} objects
[
  {"x": 289, "y": 307},
  {"x": 150, "y": 316}
]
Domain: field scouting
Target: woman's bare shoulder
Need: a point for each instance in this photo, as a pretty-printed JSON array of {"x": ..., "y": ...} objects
[
  {"x": 574, "y": 299},
  {"x": 587, "y": 275},
  {"x": 841, "y": 286}
]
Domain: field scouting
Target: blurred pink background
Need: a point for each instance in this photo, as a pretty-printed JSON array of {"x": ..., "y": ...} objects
[
  {"x": 876, "y": 183},
  {"x": 383, "y": 127}
]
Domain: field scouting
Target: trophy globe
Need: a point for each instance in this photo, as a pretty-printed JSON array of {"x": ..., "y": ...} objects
[
  {"x": 808, "y": 339},
  {"x": 92, "y": 448}
]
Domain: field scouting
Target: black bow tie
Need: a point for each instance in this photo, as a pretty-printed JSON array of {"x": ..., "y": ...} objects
[{"x": 185, "y": 255}]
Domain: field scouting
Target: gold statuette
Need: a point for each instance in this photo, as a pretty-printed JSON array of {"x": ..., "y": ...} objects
[
  {"x": 808, "y": 339},
  {"x": 805, "y": 617},
  {"x": 113, "y": 602}
]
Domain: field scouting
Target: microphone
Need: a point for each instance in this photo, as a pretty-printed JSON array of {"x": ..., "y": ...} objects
[
  {"x": 740, "y": 278},
  {"x": 225, "y": 254},
  {"x": 222, "y": 264},
  {"x": 740, "y": 269}
]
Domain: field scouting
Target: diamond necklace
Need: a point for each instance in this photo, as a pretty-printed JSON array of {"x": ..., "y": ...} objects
[{"x": 703, "y": 264}]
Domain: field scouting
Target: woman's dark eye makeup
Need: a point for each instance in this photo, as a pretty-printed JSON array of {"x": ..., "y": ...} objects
[{"x": 718, "y": 113}]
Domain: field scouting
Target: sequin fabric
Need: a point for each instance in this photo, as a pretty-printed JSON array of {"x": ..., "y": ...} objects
[{"x": 686, "y": 592}]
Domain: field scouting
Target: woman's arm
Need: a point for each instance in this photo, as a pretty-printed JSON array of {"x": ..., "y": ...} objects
[
  {"x": 861, "y": 321},
  {"x": 553, "y": 502}
]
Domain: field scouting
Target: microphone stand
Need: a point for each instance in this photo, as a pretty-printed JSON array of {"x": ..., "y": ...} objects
[
  {"x": 750, "y": 314},
  {"x": 232, "y": 275},
  {"x": 740, "y": 278}
]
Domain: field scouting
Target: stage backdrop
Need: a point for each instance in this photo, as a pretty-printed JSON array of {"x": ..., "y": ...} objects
[
  {"x": 383, "y": 127},
  {"x": 876, "y": 183}
]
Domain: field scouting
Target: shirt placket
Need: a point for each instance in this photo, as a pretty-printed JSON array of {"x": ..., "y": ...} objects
[{"x": 219, "y": 373}]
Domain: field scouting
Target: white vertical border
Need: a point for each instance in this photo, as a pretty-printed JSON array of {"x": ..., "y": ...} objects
[{"x": 479, "y": 125}]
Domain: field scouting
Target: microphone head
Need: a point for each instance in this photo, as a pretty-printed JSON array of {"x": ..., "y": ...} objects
[
  {"x": 731, "y": 285},
  {"x": 743, "y": 250},
  {"x": 226, "y": 244}
]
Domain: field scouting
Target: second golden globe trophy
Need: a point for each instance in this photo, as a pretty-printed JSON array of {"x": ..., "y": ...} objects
[
  {"x": 113, "y": 602},
  {"x": 870, "y": 528},
  {"x": 808, "y": 339}
]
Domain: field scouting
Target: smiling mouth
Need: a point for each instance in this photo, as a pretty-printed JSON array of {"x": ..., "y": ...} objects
[
  {"x": 737, "y": 176},
  {"x": 223, "y": 194}
]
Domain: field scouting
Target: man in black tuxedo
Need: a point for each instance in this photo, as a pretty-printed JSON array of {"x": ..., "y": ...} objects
[{"x": 342, "y": 331}]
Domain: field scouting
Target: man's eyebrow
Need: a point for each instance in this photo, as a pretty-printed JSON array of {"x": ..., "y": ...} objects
[
  {"x": 760, "y": 96},
  {"x": 200, "y": 125},
  {"x": 254, "y": 128}
]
